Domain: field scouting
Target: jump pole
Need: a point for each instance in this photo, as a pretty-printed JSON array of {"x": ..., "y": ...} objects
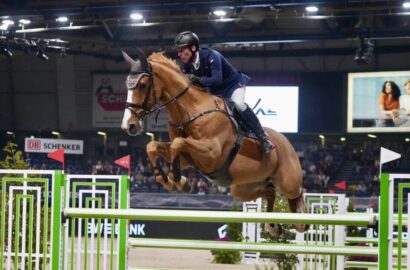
[{"x": 220, "y": 216}]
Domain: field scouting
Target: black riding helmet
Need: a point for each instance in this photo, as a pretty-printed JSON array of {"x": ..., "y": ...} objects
[{"x": 185, "y": 39}]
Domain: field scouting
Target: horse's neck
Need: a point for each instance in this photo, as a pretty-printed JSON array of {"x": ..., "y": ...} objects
[{"x": 188, "y": 104}]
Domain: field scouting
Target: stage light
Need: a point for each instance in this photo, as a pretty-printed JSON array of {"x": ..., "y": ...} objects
[
  {"x": 4, "y": 50},
  {"x": 40, "y": 54}
]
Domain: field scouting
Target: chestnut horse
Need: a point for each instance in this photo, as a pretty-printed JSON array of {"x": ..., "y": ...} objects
[{"x": 202, "y": 135}]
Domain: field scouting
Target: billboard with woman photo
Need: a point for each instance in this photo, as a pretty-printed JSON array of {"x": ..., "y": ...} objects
[{"x": 379, "y": 102}]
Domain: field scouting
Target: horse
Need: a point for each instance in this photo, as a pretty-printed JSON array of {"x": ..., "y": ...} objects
[{"x": 202, "y": 135}]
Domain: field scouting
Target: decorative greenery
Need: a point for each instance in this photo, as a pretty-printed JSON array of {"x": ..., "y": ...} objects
[
  {"x": 283, "y": 261},
  {"x": 13, "y": 159},
  {"x": 234, "y": 233}
]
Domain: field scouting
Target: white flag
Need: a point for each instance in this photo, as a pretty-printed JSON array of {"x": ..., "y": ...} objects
[{"x": 386, "y": 155}]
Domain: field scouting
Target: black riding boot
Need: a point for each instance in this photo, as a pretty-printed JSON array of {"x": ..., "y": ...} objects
[{"x": 253, "y": 123}]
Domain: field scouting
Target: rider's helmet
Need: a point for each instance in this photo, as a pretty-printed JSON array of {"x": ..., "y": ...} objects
[{"x": 187, "y": 39}]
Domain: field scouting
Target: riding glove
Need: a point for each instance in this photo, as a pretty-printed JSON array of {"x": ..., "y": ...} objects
[{"x": 194, "y": 79}]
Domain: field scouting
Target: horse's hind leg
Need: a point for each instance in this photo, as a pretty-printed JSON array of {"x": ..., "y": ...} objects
[
  {"x": 253, "y": 191},
  {"x": 297, "y": 205},
  {"x": 290, "y": 185}
]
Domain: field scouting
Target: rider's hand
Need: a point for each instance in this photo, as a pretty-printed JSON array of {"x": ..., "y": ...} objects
[{"x": 194, "y": 79}]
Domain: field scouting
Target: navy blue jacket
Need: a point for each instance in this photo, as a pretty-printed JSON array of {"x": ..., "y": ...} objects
[{"x": 216, "y": 73}]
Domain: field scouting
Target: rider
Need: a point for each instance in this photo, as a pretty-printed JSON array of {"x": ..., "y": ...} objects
[{"x": 211, "y": 70}]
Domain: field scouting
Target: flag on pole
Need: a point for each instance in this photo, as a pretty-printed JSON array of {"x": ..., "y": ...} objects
[
  {"x": 124, "y": 162},
  {"x": 57, "y": 155},
  {"x": 387, "y": 155},
  {"x": 341, "y": 185}
]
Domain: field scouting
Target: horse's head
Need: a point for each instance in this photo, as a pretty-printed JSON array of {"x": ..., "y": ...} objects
[{"x": 141, "y": 95}]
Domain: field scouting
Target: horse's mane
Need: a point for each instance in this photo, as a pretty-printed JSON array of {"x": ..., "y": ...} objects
[{"x": 159, "y": 57}]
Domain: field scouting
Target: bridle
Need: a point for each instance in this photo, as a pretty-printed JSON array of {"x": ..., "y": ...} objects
[{"x": 145, "y": 111}]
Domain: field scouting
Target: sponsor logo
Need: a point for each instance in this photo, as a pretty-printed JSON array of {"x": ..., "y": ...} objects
[
  {"x": 33, "y": 144},
  {"x": 222, "y": 231},
  {"x": 259, "y": 110}
]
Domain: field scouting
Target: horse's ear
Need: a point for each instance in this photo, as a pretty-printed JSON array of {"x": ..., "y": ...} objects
[
  {"x": 128, "y": 59},
  {"x": 143, "y": 58}
]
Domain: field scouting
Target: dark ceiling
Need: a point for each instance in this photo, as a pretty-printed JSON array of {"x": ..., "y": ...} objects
[{"x": 101, "y": 27}]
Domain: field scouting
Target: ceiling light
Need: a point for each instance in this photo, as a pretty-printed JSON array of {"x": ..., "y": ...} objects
[
  {"x": 321, "y": 137},
  {"x": 342, "y": 139},
  {"x": 8, "y": 22},
  {"x": 219, "y": 12},
  {"x": 136, "y": 16},
  {"x": 62, "y": 19},
  {"x": 102, "y": 133},
  {"x": 407, "y": 139},
  {"x": 24, "y": 21},
  {"x": 10, "y": 133},
  {"x": 312, "y": 9},
  {"x": 406, "y": 4},
  {"x": 56, "y": 133},
  {"x": 371, "y": 136}
]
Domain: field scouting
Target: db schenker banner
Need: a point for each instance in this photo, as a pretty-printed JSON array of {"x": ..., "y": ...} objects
[{"x": 41, "y": 145}]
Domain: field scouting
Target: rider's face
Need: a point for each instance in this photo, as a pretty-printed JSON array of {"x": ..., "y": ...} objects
[{"x": 185, "y": 54}]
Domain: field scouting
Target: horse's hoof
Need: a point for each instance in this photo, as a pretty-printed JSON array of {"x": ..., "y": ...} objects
[
  {"x": 182, "y": 185},
  {"x": 273, "y": 229},
  {"x": 169, "y": 185},
  {"x": 301, "y": 228}
]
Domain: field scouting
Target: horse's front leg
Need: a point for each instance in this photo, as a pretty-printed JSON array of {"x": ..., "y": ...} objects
[{"x": 154, "y": 149}]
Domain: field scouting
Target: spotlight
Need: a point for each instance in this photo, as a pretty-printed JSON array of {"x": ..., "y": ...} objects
[
  {"x": 63, "y": 52},
  {"x": 406, "y": 4},
  {"x": 24, "y": 45},
  {"x": 342, "y": 139},
  {"x": 312, "y": 9},
  {"x": 4, "y": 50},
  {"x": 62, "y": 19},
  {"x": 371, "y": 136},
  {"x": 24, "y": 21},
  {"x": 219, "y": 12},
  {"x": 364, "y": 53},
  {"x": 136, "y": 16},
  {"x": 40, "y": 54}
]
